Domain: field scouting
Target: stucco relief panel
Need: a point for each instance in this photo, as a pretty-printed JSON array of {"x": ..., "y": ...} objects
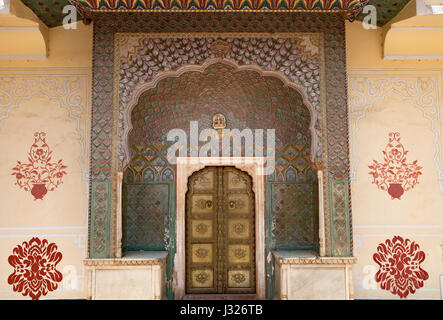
[
  {"x": 396, "y": 242},
  {"x": 70, "y": 91},
  {"x": 365, "y": 91},
  {"x": 45, "y": 111}
]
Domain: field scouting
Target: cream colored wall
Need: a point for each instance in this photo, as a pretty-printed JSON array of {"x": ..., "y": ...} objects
[
  {"x": 18, "y": 23},
  {"x": 48, "y": 95},
  {"x": 394, "y": 96}
]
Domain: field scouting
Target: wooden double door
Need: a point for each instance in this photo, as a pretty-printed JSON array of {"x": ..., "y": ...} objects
[{"x": 220, "y": 232}]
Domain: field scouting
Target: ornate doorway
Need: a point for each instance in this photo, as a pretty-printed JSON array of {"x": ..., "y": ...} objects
[{"x": 220, "y": 232}]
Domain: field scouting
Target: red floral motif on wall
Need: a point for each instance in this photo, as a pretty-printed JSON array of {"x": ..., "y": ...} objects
[
  {"x": 400, "y": 271},
  {"x": 394, "y": 174},
  {"x": 39, "y": 175},
  {"x": 35, "y": 272}
]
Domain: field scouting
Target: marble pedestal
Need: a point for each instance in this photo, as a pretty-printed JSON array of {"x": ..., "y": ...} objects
[
  {"x": 303, "y": 275},
  {"x": 136, "y": 276}
]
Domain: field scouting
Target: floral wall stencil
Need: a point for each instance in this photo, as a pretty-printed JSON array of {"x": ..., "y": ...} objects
[
  {"x": 400, "y": 266},
  {"x": 35, "y": 272},
  {"x": 39, "y": 175},
  {"x": 394, "y": 174}
]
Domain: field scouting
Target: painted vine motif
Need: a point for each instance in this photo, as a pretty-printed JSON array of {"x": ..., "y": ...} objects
[
  {"x": 35, "y": 272},
  {"x": 394, "y": 174},
  {"x": 400, "y": 269},
  {"x": 39, "y": 175}
]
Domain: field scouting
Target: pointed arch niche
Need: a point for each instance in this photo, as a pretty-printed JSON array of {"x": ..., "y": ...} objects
[
  {"x": 249, "y": 98},
  {"x": 286, "y": 72}
]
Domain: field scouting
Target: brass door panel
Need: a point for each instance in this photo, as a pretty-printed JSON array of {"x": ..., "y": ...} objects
[
  {"x": 202, "y": 203},
  {"x": 202, "y": 253},
  {"x": 202, "y": 229},
  {"x": 238, "y": 203},
  {"x": 203, "y": 278},
  {"x": 238, "y": 229},
  {"x": 239, "y": 279},
  {"x": 220, "y": 232}
]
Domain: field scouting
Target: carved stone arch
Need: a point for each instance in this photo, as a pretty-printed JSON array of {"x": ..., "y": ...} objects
[
  {"x": 319, "y": 38},
  {"x": 137, "y": 93},
  {"x": 309, "y": 113}
]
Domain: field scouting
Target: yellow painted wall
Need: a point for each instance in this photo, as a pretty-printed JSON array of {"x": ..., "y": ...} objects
[
  {"x": 394, "y": 96},
  {"x": 384, "y": 96},
  {"x": 53, "y": 96}
]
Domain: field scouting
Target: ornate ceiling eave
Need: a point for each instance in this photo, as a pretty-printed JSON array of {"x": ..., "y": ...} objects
[{"x": 350, "y": 8}]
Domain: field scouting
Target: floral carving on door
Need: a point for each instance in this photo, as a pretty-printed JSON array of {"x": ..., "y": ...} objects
[
  {"x": 39, "y": 175},
  {"x": 35, "y": 272},
  {"x": 395, "y": 175},
  {"x": 400, "y": 269}
]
